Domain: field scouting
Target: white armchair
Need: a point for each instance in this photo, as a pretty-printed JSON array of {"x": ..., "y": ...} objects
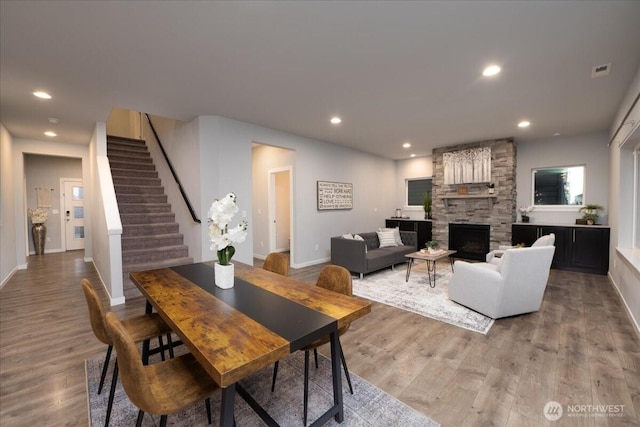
[
  {"x": 515, "y": 286},
  {"x": 495, "y": 255}
]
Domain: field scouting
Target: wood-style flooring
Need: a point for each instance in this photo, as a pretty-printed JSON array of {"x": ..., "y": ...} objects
[{"x": 580, "y": 349}]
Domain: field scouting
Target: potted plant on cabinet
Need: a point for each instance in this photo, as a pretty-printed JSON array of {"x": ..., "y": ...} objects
[
  {"x": 427, "y": 201},
  {"x": 524, "y": 213},
  {"x": 491, "y": 187},
  {"x": 591, "y": 213}
]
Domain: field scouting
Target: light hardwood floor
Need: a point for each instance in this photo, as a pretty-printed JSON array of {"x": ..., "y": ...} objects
[{"x": 580, "y": 349}]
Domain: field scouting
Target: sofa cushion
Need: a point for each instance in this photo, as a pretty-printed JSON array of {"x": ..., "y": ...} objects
[
  {"x": 387, "y": 239},
  {"x": 371, "y": 240},
  {"x": 396, "y": 234}
]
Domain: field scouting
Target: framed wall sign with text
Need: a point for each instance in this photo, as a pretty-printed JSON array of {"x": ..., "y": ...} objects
[{"x": 334, "y": 195}]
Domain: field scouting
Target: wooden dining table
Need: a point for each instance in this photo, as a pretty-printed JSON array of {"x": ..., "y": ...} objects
[{"x": 236, "y": 332}]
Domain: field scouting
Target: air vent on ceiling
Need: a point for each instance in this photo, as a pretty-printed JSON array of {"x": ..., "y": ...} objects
[{"x": 601, "y": 70}]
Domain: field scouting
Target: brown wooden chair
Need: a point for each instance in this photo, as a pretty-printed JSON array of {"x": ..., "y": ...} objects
[
  {"x": 277, "y": 262},
  {"x": 159, "y": 388},
  {"x": 338, "y": 279},
  {"x": 141, "y": 328}
]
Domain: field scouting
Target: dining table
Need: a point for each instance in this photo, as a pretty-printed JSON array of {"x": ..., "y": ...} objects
[{"x": 236, "y": 332}]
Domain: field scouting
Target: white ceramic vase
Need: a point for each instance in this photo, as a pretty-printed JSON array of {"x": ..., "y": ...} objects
[{"x": 223, "y": 275}]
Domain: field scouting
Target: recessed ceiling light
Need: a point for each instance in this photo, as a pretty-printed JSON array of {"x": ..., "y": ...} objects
[
  {"x": 524, "y": 124},
  {"x": 556, "y": 134},
  {"x": 42, "y": 95},
  {"x": 491, "y": 70},
  {"x": 336, "y": 120},
  {"x": 406, "y": 145},
  {"x": 53, "y": 120},
  {"x": 50, "y": 133},
  {"x": 413, "y": 155}
]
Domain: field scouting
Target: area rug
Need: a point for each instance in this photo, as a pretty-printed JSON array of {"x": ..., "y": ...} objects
[
  {"x": 389, "y": 287},
  {"x": 368, "y": 406}
]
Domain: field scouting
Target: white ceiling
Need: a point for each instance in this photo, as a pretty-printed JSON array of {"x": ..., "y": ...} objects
[{"x": 394, "y": 71}]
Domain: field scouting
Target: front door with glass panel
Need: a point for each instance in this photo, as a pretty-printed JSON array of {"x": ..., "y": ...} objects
[{"x": 74, "y": 215}]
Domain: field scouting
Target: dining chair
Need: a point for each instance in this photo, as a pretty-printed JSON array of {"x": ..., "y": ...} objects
[
  {"x": 277, "y": 262},
  {"x": 159, "y": 388},
  {"x": 337, "y": 279},
  {"x": 141, "y": 328}
]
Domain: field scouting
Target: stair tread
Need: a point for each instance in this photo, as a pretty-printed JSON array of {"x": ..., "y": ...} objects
[
  {"x": 154, "y": 249},
  {"x": 157, "y": 264},
  {"x": 154, "y": 236}
]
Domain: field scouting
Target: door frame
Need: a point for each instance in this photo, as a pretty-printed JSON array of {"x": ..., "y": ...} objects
[{"x": 271, "y": 179}]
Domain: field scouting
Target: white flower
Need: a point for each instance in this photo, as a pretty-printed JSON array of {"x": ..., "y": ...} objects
[
  {"x": 38, "y": 215},
  {"x": 220, "y": 215},
  {"x": 525, "y": 211}
]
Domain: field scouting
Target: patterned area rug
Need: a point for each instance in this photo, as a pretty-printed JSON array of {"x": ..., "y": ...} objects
[
  {"x": 368, "y": 406},
  {"x": 389, "y": 287}
]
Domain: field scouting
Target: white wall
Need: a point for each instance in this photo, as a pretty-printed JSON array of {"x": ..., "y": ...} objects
[
  {"x": 181, "y": 142},
  {"x": 264, "y": 159},
  {"x": 624, "y": 268},
  {"x": 226, "y": 165},
  {"x": 420, "y": 167},
  {"x": 8, "y": 234},
  {"x": 589, "y": 149},
  {"x": 46, "y": 171},
  {"x": 28, "y": 146}
]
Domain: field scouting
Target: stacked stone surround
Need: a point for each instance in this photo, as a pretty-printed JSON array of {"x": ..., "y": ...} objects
[{"x": 473, "y": 210}]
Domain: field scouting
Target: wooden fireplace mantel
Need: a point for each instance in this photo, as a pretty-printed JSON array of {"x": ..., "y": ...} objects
[{"x": 489, "y": 197}]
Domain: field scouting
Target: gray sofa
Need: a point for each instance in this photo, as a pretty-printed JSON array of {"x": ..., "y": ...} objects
[{"x": 363, "y": 257}]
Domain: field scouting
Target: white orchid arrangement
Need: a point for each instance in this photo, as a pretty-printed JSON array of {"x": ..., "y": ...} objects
[
  {"x": 220, "y": 215},
  {"x": 38, "y": 215},
  {"x": 525, "y": 211}
]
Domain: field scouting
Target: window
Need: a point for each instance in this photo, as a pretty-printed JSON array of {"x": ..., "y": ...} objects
[
  {"x": 559, "y": 186},
  {"x": 416, "y": 189}
]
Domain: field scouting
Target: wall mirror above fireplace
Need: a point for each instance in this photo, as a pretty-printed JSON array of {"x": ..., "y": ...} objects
[{"x": 556, "y": 187}]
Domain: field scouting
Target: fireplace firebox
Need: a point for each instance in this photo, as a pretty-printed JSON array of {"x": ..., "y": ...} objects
[{"x": 470, "y": 240}]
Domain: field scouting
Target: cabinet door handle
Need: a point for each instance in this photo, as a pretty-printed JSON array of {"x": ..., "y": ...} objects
[{"x": 574, "y": 235}]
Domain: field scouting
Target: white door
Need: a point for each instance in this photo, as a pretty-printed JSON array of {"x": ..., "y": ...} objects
[{"x": 73, "y": 213}]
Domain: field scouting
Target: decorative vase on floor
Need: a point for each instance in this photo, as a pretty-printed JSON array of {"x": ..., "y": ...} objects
[
  {"x": 39, "y": 233},
  {"x": 223, "y": 275}
]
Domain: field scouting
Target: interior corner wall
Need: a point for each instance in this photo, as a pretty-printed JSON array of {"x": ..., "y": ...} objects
[
  {"x": 8, "y": 260},
  {"x": 587, "y": 149}
]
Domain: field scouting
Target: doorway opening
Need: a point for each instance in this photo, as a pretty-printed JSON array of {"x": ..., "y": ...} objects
[{"x": 280, "y": 209}]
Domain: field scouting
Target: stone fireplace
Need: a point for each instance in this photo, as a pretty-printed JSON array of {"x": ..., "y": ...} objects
[{"x": 497, "y": 210}]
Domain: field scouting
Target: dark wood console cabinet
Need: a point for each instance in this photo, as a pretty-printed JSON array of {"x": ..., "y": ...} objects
[
  {"x": 581, "y": 248},
  {"x": 422, "y": 227}
]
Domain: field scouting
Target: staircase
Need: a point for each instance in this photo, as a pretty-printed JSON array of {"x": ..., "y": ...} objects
[{"x": 150, "y": 237}]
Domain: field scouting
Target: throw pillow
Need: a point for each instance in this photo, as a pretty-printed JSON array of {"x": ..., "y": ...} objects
[
  {"x": 387, "y": 239},
  {"x": 396, "y": 234},
  {"x": 347, "y": 236}
]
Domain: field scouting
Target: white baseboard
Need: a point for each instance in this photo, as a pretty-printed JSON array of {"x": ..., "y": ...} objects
[
  {"x": 9, "y": 276},
  {"x": 634, "y": 321},
  {"x": 310, "y": 263}
]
